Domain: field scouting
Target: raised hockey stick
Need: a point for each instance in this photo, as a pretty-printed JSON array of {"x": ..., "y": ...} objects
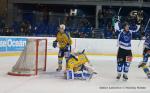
[
  {"x": 119, "y": 11},
  {"x": 147, "y": 25}
]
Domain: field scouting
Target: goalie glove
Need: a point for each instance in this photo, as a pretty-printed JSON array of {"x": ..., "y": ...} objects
[{"x": 54, "y": 44}]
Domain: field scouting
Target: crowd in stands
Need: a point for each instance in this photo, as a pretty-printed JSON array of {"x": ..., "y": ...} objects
[
  {"x": 25, "y": 28},
  {"x": 108, "y": 17},
  {"x": 78, "y": 27}
]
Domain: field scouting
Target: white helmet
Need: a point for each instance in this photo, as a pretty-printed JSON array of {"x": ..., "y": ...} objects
[{"x": 62, "y": 26}]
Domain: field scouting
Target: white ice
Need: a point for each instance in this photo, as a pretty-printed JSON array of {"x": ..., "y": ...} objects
[{"x": 53, "y": 82}]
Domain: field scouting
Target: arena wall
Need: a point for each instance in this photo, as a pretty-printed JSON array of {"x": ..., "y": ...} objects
[{"x": 10, "y": 45}]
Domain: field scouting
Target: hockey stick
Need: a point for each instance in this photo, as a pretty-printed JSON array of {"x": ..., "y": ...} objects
[
  {"x": 118, "y": 18},
  {"x": 119, "y": 11},
  {"x": 147, "y": 25},
  {"x": 144, "y": 30}
]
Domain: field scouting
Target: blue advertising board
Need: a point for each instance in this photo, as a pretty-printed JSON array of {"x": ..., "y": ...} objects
[{"x": 12, "y": 44}]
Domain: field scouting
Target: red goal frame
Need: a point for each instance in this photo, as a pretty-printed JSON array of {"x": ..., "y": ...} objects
[{"x": 36, "y": 60}]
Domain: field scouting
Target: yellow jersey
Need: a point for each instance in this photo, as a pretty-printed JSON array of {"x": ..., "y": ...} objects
[
  {"x": 75, "y": 64},
  {"x": 63, "y": 39}
]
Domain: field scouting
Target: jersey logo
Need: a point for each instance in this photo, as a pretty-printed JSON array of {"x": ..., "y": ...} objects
[{"x": 126, "y": 38}]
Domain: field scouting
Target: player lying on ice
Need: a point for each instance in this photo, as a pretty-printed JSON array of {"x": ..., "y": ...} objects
[
  {"x": 79, "y": 67},
  {"x": 146, "y": 55}
]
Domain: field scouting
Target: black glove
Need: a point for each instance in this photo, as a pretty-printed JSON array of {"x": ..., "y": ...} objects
[
  {"x": 54, "y": 44},
  {"x": 141, "y": 64}
]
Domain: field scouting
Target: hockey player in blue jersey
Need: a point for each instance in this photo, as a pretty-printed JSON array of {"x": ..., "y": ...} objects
[
  {"x": 146, "y": 55},
  {"x": 124, "y": 55}
]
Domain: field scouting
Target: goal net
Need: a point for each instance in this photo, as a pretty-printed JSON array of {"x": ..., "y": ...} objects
[{"x": 32, "y": 59}]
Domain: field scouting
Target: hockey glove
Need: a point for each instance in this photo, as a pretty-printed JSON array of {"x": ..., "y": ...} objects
[
  {"x": 141, "y": 64},
  {"x": 54, "y": 44}
]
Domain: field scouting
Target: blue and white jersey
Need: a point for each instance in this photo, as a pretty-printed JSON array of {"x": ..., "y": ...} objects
[
  {"x": 117, "y": 27},
  {"x": 147, "y": 41},
  {"x": 124, "y": 38}
]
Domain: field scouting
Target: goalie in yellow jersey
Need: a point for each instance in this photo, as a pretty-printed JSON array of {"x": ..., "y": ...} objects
[
  {"x": 64, "y": 41},
  {"x": 79, "y": 67}
]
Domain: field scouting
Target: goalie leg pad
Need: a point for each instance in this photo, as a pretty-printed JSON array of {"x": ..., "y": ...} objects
[
  {"x": 82, "y": 75},
  {"x": 78, "y": 75},
  {"x": 69, "y": 74}
]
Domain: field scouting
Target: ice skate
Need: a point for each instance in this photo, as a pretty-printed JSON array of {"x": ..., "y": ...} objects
[
  {"x": 148, "y": 75},
  {"x": 125, "y": 77},
  {"x": 59, "y": 68},
  {"x": 118, "y": 76}
]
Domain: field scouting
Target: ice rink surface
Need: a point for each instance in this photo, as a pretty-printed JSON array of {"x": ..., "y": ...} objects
[{"x": 53, "y": 82}]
